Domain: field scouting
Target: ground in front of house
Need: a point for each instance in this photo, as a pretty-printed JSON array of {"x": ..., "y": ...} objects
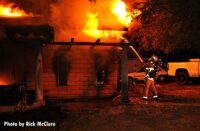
[{"x": 178, "y": 109}]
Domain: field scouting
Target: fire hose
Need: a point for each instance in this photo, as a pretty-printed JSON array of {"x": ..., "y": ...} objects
[{"x": 133, "y": 49}]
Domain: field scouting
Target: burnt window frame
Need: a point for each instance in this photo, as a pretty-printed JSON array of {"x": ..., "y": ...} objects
[
  {"x": 61, "y": 70},
  {"x": 101, "y": 77},
  {"x": 102, "y": 71}
]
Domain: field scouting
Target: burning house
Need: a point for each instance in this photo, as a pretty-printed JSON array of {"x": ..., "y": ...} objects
[{"x": 70, "y": 58}]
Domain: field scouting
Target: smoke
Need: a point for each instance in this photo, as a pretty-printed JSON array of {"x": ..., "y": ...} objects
[
  {"x": 69, "y": 18},
  {"x": 38, "y": 12}
]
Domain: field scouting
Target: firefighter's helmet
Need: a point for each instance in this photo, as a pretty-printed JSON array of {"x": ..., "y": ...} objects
[{"x": 153, "y": 58}]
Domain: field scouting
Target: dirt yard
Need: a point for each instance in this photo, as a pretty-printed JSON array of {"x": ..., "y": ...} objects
[{"x": 177, "y": 110}]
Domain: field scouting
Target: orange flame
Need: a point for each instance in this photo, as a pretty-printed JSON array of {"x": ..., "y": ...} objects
[
  {"x": 118, "y": 8},
  {"x": 91, "y": 29},
  {"x": 11, "y": 11}
]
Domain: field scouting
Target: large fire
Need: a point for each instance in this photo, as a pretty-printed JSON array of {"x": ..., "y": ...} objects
[
  {"x": 124, "y": 17},
  {"x": 91, "y": 29},
  {"x": 10, "y": 10}
]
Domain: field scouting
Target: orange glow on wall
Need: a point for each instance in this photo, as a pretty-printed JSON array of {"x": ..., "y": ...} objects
[{"x": 4, "y": 82}]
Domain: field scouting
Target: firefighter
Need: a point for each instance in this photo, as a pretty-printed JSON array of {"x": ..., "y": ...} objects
[{"x": 151, "y": 73}]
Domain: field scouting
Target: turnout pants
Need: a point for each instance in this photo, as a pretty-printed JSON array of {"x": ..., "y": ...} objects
[{"x": 150, "y": 85}]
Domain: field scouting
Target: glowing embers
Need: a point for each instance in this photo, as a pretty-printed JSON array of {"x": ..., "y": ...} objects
[{"x": 11, "y": 10}]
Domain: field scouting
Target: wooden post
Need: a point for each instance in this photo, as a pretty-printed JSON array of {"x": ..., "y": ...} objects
[
  {"x": 124, "y": 74},
  {"x": 38, "y": 85}
]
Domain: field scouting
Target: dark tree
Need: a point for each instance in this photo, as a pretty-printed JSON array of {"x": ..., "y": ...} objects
[{"x": 168, "y": 25}]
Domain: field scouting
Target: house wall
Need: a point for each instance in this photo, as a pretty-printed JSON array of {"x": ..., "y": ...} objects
[
  {"x": 81, "y": 76},
  {"x": 18, "y": 62}
]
